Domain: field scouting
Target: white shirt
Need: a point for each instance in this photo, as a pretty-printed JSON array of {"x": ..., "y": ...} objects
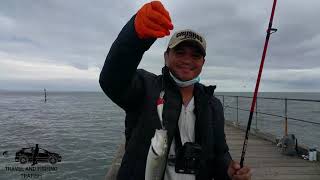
[{"x": 186, "y": 126}]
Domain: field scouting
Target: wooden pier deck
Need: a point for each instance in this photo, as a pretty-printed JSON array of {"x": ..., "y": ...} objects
[
  {"x": 266, "y": 160},
  {"x": 262, "y": 156}
]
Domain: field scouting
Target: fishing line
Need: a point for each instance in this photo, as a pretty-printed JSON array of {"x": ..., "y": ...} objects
[
  {"x": 17, "y": 135},
  {"x": 21, "y": 136},
  {"x": 6, "y": 153}
]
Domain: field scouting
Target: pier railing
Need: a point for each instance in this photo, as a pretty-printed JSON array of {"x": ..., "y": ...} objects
[{"x": 277, "y": 116}]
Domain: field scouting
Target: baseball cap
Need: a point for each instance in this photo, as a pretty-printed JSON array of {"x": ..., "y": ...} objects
[{"x": 187, "y": 35}]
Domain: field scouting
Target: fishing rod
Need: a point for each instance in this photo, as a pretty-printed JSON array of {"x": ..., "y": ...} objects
[{"x": 270, "y": 30}]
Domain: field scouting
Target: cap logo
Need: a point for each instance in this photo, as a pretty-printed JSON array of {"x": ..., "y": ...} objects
[{"x": 189, "y": 34}]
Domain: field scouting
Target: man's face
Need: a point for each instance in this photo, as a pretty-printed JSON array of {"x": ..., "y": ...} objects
[{"x": 185, "y": 61}]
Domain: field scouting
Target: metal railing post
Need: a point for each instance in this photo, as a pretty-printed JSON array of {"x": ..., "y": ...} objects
[
  {"x": 286, "y": 116},
  {"x": 237, "y": 110},
  {"x": 223, "y": 100}
]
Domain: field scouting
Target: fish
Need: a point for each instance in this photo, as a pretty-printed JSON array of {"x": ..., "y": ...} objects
[{"x": 157, "y": 155}]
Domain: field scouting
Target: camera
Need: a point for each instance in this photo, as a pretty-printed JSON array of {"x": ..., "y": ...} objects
[{"x": 188, "y": 158}]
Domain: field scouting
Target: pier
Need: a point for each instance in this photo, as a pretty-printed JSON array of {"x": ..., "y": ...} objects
[
  {"x": 263, "y": 155},
  {"x": 266, "y": 160}
]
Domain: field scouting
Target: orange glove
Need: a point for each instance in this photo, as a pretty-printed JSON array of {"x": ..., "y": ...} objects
[{"x": 152, "y": 21}]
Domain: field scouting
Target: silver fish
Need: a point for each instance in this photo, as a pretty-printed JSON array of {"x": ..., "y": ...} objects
[{"x": 156, "y": 160}]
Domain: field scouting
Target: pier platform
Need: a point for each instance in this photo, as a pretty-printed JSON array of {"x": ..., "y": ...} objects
[
  {"x": 262, "y": 156},
  {"x": 266, "y": 160}
]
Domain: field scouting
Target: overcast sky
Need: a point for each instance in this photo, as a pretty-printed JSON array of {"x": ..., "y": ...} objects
[{"x": 61, "y": 45}]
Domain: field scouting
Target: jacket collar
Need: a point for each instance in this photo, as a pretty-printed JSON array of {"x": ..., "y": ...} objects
[{"x": 202, "y": 95}]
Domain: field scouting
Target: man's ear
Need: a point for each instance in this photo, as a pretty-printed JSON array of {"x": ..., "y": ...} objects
[{"x": 166, "y": 57}]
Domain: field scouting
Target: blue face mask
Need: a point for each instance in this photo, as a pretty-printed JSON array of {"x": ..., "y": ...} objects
[{"x": 185, "y": 83}]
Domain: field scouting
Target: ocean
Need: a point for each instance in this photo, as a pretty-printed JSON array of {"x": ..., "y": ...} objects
[{"x": 86, "y": 128}]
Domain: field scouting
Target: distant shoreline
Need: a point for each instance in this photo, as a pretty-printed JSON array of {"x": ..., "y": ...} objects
[{"x": 84, "y": 91}]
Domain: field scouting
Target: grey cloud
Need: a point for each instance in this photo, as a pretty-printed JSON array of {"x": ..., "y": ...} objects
[
  {"x": 305, "y": 85},
  {"x": 63, "y": 30},
  {"x": 79, "y": 33}
]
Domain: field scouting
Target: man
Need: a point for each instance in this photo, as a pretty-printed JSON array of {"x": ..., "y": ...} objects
[
  {"x": 34, "y": 156},
  {"x": 191, "y": 113}
]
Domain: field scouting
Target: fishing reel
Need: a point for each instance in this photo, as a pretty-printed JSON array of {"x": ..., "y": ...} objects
[{"x": 188, "y": 158}]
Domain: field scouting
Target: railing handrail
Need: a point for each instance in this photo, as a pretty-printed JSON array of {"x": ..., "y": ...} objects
[
  {"x": 275, "y": 115},
  {"x": 264, "y": 113},
  {"x": 259, "y": 97}
]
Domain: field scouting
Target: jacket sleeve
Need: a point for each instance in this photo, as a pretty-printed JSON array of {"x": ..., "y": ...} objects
[
  {"x": 223, "y": 157},
  {"x": 119, "y": 78}
]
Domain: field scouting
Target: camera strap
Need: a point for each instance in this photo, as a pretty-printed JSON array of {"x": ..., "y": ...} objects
[{"x": 177, "y": 138}]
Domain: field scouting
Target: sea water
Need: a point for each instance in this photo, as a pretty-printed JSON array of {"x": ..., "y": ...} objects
[{"x": 86, "y": 128}]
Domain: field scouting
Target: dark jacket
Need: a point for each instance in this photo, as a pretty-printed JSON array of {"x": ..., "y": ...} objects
[{"x": 136, "y": 92}]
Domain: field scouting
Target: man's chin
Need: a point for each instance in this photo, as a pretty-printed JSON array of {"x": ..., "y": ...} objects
[{"x": 185, "y": 78}]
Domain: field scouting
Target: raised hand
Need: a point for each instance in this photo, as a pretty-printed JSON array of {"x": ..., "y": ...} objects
[{"x": 153, "y": 21}]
